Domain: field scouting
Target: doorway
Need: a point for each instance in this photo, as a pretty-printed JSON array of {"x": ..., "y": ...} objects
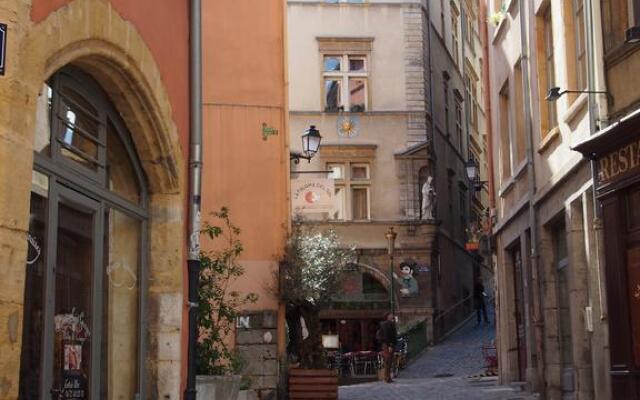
[
  {"x": 84, "y": 321},
  {"x": 516, "y": 260}
]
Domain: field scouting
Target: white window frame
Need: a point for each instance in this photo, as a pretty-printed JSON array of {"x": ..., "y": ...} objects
[
  {"x": 343, "y": 76},
  {"x": 347, "y": 184}
]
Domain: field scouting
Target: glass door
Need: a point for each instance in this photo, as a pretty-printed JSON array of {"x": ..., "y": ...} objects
[{"x": 72, "y": 352}]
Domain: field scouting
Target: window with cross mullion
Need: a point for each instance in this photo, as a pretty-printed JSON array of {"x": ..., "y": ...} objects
[{"x": 345, "y": 83}]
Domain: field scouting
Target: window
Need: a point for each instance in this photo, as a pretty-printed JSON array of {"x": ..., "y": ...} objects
[
  {"x": 462, "y": 204},
  {"x": 561, "y": 261},
  {"x": 450, "y": 175},
  {"x": 445, "y": 88},
  {"x": 352, "y": 190},
  {"x": 458, "y": 105},
  {"x": 442, "y": 18},
  {"x": 345, "y": 83},
  {"x": 472, "y": 101},
  {"x": 615, "y": 22},
  {"x": 581, "y": 61},
  {"x": 505, "y": 133},
  {"x": 469, "y": 29},
  {"x": 93, "y": 285},
  {"x": 546, "y": 76},
  {"x": 454, "y": 34},
  {"x": 517, "y": 138}
]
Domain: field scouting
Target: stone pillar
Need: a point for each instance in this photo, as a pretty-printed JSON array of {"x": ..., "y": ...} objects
[{"x": 17, "y": 114}]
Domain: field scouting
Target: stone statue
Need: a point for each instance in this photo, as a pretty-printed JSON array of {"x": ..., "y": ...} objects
[{"x": 428, "y": 199}]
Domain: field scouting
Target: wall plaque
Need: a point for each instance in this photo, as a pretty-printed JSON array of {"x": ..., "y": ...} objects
[{"x": 3, "y": 47}]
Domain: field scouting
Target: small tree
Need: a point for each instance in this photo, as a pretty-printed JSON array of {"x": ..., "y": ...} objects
[
  {"x": 310, "y": 275},
  {"x": 218, "y": 303}
]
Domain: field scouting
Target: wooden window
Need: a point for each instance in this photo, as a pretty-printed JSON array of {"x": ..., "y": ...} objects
[
  {"x": 442, "y": 18},
  {"x": 505, "y": 133},
  {"x": 581, "y": 58},
  {"x": 615, "y": 15},
  {"x": 352, "y": 194},
  {"x": 445, "y": 87},
  {"x": 360, "y": 203},
  {"x": 518, "y": 135},
  {"x": 455, "y": 42},
  {"x": 458, "y": 105},
  {"x": 546, "y": 71},
  {"x": 345, "y": 82}
]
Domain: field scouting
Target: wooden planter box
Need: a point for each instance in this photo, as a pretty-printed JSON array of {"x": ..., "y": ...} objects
[{"x": 307, "y": 384}]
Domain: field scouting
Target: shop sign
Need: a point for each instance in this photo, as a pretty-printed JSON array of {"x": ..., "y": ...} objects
[
  {"x": 3, "y": 46},
  {"x": 619, "y": 162},
  {"x": 74, "y": 386},
  {"x": 312, "y": 195}
]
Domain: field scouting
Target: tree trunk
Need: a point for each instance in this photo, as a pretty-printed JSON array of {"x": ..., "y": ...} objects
[
  {"x": 312, "y": 354},
  {"x": 295, "y": 332}
]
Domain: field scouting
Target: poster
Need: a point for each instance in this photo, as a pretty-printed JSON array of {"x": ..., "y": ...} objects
[{"x": 312, "y": 195}]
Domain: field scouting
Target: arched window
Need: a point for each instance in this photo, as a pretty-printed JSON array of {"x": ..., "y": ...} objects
[{"x": 86, "y": 271}]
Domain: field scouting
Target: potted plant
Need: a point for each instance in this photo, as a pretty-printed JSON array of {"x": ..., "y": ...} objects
[
  {"x": 310, "y": 275},
  {"x": 217, "y": 364}
]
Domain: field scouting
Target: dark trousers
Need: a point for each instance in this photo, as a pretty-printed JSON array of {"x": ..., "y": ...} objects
[
  {"x": 387, "y": 357},
  {"x": 481, "y": 307}
]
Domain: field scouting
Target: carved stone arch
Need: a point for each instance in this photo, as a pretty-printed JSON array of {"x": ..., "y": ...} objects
[
  {"x": 380, "y": 276},
  {"x": 116, "y": 56}
]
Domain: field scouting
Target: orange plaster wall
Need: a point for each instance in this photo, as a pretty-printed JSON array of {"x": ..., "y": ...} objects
[
  {"x": 164, "y": 26},
  {"x": 244, "y": 86}
]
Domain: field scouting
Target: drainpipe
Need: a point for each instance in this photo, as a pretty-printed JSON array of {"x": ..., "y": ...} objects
[
  {"x": 434, "y": 283},
  {"x": 538, "y": 319},
  {"x": 195, "y": 176},
  {"x": 487, "y": 105}
]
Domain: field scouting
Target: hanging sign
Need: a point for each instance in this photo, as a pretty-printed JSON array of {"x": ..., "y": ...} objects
[
  {"x": 312, "y": 195},
  {"x": 3, "y": 46}
]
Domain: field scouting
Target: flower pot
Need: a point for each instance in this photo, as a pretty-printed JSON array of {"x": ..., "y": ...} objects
[
  {"x": 217, "y": 387},
  {"x": 313, "y": 384}
]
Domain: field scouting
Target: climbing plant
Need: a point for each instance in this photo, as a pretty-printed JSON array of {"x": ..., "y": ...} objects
[{"x": 218, "y": 303}]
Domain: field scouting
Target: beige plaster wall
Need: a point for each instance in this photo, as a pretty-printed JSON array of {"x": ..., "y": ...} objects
[
  {"x": 383, "y": 131},
  {"x": 382, "y": 22}
]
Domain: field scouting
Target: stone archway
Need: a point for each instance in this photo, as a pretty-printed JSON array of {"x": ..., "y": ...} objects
[
  {"x": 90, "y": 35},
  {"x": 379, "y": 276}
]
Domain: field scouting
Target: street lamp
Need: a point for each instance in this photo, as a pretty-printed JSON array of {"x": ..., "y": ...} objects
[
  {"x": 310, "y": 144},
  {"x": 555, "y": 93},
  {"x": 391, "y": 244},
  {"x": 473, "y": 173}
]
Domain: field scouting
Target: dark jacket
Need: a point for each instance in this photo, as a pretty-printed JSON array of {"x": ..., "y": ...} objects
[{"x": 388, "y": 333}]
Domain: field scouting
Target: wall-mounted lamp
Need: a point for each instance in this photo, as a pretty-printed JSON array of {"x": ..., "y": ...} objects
[
  {"x": 310, "y": 145},
  {"x": 473, "y": 173},
  {"x": 632, "y": 35},
  {"x": 555, "y": 93}
]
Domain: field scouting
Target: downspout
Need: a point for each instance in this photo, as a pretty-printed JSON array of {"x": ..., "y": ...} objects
[
  {"x": 487, "y": 106},
  {"x": 538, "y": 318},
  {"x": 195, "y": 180},
  {"x": 434, "y": 282},
  {"x": 486, "y": 94}
]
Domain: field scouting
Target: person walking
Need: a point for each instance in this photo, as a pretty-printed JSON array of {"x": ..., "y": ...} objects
[
  {"x": 388, "y": 339},
  {"x": 478, "y": 296}
]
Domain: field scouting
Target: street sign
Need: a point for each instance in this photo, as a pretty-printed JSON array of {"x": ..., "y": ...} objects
[{"x": 3, "y": 46}]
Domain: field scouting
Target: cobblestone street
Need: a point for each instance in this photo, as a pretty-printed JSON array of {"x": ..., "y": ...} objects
[{"x": 448, "y": 371}]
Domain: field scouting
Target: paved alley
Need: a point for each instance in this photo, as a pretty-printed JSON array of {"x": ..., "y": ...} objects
[{"x": 447, "y": 371}]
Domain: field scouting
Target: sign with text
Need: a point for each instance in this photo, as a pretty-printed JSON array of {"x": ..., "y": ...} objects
[
  {"x": 312, "y": 195},
  {"x": 3, "y": 47},
  {"x": 619, "y": 162}
]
